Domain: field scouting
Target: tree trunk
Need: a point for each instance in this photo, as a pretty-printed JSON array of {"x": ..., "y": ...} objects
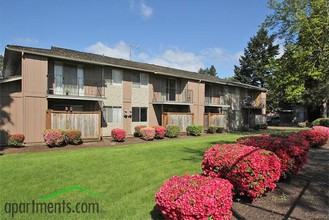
[{"x": 324, "y": 110}]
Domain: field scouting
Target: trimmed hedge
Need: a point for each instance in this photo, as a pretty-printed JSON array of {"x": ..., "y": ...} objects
[
  {"x": 195, "y": 197},
  {"x": 148, "y": 133},
  {"x": 252, "y": 171},
  {"x": 194, "y": 130},
  {"x": 160, "y": 132},
  {"x": 118, "y": 134},
  {"x": 73, "y": 136},
  {"x": 172, "y": 131},
  {"x": 15, "y": 140},
  {"x": 291, "y": 150},
  {"x": 315, "y": 138},
  {"x": 138, "y": 130},
  {"x": 321, "y": 122},
  {"x": 54, "y": 137}
]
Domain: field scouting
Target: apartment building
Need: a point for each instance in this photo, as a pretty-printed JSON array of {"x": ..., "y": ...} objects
[{"x": 127, "y": 93}]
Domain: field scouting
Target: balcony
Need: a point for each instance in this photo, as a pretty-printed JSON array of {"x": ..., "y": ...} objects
[
  {"x": 172, "y": 96},
  {"x": 220, "y": 101},
  {"x": 257, "y": 103},
  {"x": 90, "y": 90}
]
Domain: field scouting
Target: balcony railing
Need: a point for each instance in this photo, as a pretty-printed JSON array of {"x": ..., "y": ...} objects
[
  {"x": 91, "y": 89},
  {"x": 248, "y": 102},
  {"x": 172, "y": 95},
  {"x": 222, "y": 100}
]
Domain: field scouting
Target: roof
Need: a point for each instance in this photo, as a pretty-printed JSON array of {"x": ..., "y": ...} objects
[{"x": 62, "y": 53}]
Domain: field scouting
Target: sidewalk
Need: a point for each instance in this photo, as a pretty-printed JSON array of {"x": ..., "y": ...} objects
[{"x": 305, "y": 196}]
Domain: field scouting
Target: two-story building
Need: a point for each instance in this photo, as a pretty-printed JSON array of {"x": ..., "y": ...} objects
[{"x": 127, "y": 93}]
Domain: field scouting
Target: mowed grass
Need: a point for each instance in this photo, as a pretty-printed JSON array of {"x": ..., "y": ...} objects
[{"x": 129, "y": 176}]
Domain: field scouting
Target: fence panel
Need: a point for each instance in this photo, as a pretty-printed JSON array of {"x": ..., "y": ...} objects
[
  {"x": 89, "y": 123},
  {"x": 182, "y": 119},
  {"x": 214, "y": 119}
]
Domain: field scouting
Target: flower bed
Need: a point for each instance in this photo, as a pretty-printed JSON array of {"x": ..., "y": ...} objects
[
  {"x": 160, "y": 132},
  {"x": 195, "y": 197},
  {"x": 118, "y": 134},
  {"x": 15, "y": 140},
  {"x": 322, "y": 128},
  {"x": 252, "y": 171},
  {"x": 291, "y": 150}
]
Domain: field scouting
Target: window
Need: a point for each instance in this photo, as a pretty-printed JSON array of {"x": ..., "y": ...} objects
[
  {"x": 140, "y": 80},
  {"x": 112, "y": 114},
  {"x": 69, "y": 79},
  {"x": 139, "y": 114},
  {"x": 113, "y": 77},
  {"x": 116, "y": 77}
]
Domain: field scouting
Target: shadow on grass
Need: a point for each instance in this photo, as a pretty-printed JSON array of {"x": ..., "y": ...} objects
[{"x": 156, "y": 214}]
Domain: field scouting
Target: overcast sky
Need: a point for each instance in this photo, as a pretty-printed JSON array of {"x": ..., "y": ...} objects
[{"x": 185, "y": 34}]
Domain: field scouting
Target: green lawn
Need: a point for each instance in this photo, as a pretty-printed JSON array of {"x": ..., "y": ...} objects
[{"x": 128, "y": 176}]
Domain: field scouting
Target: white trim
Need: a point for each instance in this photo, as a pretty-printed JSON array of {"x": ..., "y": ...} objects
[
  {"x": 11, "y": 79},
  {"x": 75, "y": 97}
]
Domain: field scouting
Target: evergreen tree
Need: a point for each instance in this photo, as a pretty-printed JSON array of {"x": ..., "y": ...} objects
[
  {"x": 257, "y": 62},
  {"x": 212, "y": 71}
]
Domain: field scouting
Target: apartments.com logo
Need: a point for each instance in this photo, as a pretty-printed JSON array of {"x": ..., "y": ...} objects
[{"x": 41, "y": 206}]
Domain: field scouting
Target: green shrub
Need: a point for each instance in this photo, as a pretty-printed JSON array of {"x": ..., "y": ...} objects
[
  {"x": 212, "y": 129},
  {"x": 263, "y": 126},
  {"x": 138, "y": 130},
  {"x": 321, "y": 122},
  {"x": 194, "y": 130},
  {"x": 220, "y": 129},
  {"x": 172, "y": 131},
  {"x": 15, "y": 140},
  {"x": 302, "y": 124},
  {"x": 73, "y": 136}
]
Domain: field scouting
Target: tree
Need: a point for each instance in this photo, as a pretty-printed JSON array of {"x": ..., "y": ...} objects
[
  {"x": 1, "y": 65},
  {"x": 256, "y": 63},
  {"x": 303, "y": 70},
  {"x": 212, "y": 71}
]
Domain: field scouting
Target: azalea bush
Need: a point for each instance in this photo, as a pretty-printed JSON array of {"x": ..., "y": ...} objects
[
  {"x": 172, "y": 131},
  {"x": 160, "y": 132},
  {"x": 138, "y": 130},
  {"x": 195, "y": 197},
  {"x": 212, "y": 129},
  {"x": 148, "y": 133},
  {"x": 291, "y": 150},
  {"x": 194, "y": 130},
  {"x": 54, "y": 137},
  {"x": 73, "y": 137},
  {"x": 118, "y": 134},
  {"x": 315, "y": 138},
  {"x": 322, "y": 128},
  {"x": 15, "y": 140},
  {"x": 252, "y": 171}
]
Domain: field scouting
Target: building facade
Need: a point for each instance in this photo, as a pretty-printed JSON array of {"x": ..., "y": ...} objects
[{"x": 127, "y": 93}]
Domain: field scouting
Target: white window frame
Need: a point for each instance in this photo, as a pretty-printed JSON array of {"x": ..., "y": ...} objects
[{"x": 112, "y": 114}]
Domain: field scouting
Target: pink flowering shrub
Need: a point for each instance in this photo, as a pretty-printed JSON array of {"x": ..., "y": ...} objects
[
  {"x": 195, "y": 197},
  {"x": 138, "y": 130},
  {"x": 148, "y": 133},
  {"x": 322, "y": 128},
  {"x": 118, "y": 134},
  {"x": 73, "y": 136},
  {"x": 292, "y": 150},
  {"x": 160, "y": 132},
  {"x": 252, "y": 171},
  {"x": 16, "y": 140},
  {"x": 54, "y": 137},
  {"x": 314, "y": 137}
]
